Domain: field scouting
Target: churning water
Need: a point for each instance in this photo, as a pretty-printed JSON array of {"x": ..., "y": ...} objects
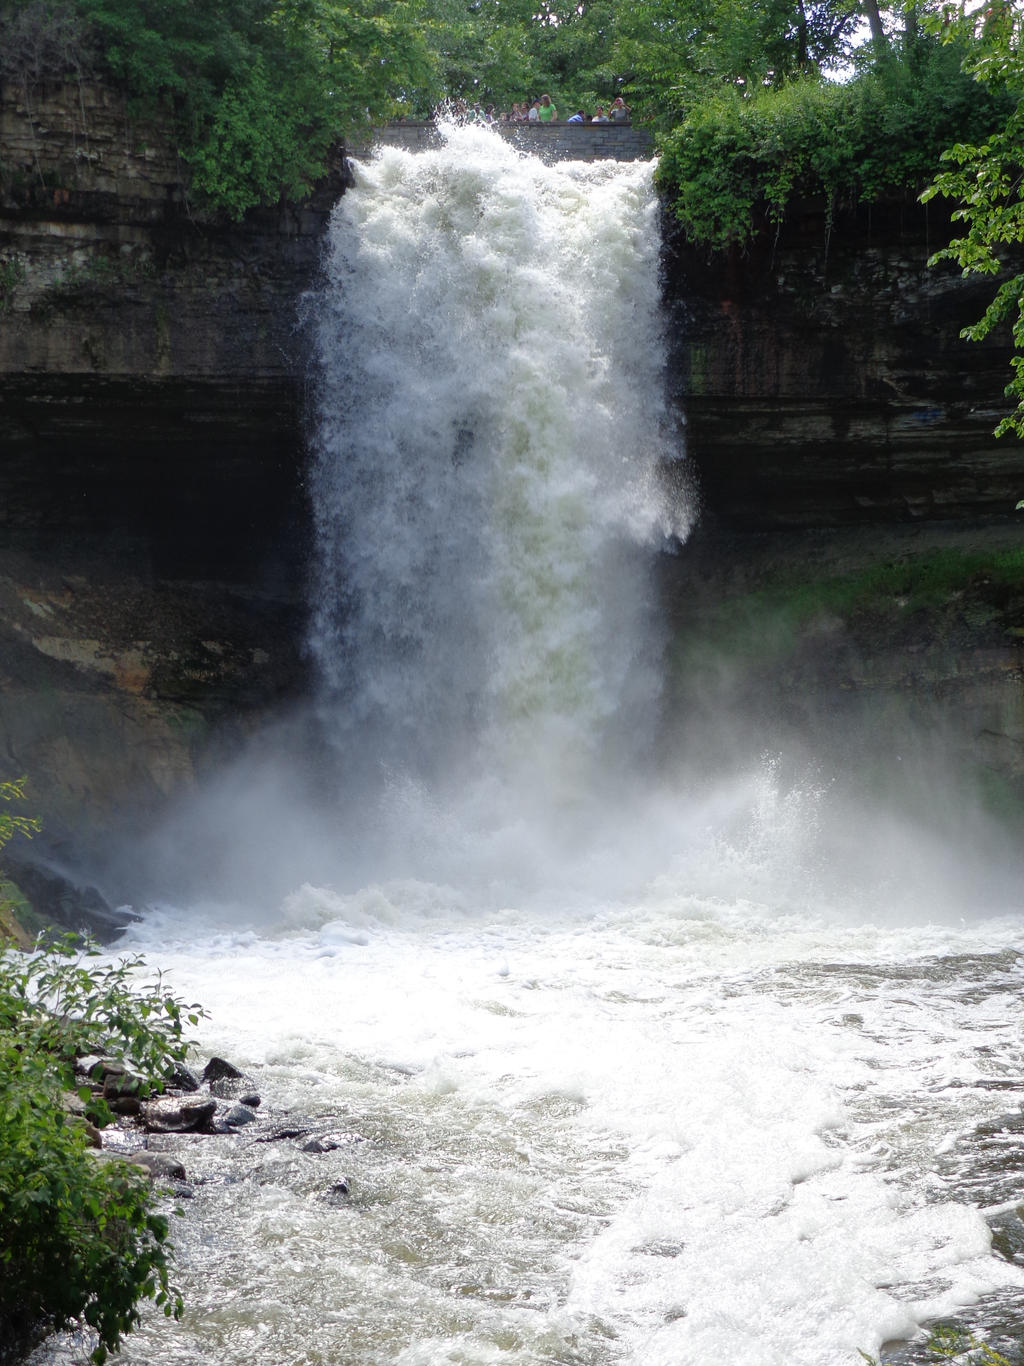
[{"x": 617, "y": 1076}]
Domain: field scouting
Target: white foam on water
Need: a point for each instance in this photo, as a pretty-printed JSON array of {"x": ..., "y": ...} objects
[{"x": 593, "y": 1139}]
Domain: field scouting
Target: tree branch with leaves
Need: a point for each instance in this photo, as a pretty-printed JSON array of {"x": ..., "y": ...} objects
[{"x": 987, "y": 178}]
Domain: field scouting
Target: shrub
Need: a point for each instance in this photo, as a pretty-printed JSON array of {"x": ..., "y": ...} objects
[
  {"x": 15, "y": 912},
  {"x": 738, "y": 160},
  {"x": 11, "y": 822},
  {"x": 80, "y": 1241}
]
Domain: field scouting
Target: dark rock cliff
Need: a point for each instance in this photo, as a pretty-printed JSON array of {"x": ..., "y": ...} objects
[
  {"x": 852, "y": 587},
  {"x": 152, "y": 516},
  {"x": 824, "y": 379}
]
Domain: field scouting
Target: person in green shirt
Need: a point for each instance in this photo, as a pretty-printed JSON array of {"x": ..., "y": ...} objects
[{"x": 547, "y": 112}]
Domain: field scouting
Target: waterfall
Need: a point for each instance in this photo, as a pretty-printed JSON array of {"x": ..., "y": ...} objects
[
  {"x": 489, "y": 486},
  {"x": 605, "y": 1071}
]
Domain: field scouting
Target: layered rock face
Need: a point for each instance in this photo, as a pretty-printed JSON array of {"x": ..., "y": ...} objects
[
  {"x": 824, "y": 379},
  {"x": 152, "y": 518},
  {"x": 851, "y": 581}
]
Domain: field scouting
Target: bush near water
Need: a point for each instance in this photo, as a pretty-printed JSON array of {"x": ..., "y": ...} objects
[{"x": 81, "y": 1242}]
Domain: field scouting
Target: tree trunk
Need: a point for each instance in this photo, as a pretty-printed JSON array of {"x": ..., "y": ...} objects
[
  {"x": 801, "y": 39},
  {"x": 874, "y": 18}
]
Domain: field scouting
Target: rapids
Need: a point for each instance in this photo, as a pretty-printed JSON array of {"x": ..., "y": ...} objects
[
  {"x": 627, "y": 1072},
  {"x": 677, "y": 1130}
]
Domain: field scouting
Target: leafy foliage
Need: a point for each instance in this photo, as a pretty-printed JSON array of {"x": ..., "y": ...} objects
[
  {"x": 952, "y": 1342},
  {"x": 679, "y": 52},
  {"x": 258, "y": 90},
  {"x": 65, "y": 1001},
  {"x": 11, "y": 822},
  {"x": 261, "y": 88},
  {"x": 80, "y": 1240},
  {"x": 986, "y": 176},
  {"x": 501, "y": 52},
  {"x": 738, "y": 160}
]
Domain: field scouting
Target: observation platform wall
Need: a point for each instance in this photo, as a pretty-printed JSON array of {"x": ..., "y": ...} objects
[{"x": 551, "y": 142}]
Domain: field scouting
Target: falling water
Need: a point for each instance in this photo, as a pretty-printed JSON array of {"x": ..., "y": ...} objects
[
  {"x": 621, "y": 1076},
  {"x": 489, "y": 489}
]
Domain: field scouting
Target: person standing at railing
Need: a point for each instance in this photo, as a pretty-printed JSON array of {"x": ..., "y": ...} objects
[{"x": 547, "y": 113}]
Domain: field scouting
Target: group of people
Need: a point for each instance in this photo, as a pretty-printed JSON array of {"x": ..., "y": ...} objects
[{"x": 540, "y": 110}]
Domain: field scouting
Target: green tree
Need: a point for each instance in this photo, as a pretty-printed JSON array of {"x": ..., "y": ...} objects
[
  {"x": 261, "y": 89},
  {"x": 483, "y": 50},
  {"x": 503, "y": 51},
  {"x": 986, "y": 178},
  {"x": 257, "y": 91},
  {"x": 737, "y": 159},
  {"x": 678, "y": 52}
]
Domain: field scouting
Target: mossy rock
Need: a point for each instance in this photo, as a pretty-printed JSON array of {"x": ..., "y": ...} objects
[{"x": 19, "y": 923}]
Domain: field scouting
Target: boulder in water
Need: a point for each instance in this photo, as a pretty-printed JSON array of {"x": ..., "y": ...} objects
[
  {"x": 236, "y": 1088},
  {"x": 282, "y": 1134},
  {"x": 159, "y": 1164},
  {"x": 217, "y": 1070},
  {"x": 120, "y": 1081},
  {"x": 336, "y": 1195},
  {"x": 178, "y": 1115},
  {"x": 58, "y": 896},
  {"x": 236, "y": 1117},
  {"x": 126, "y": 1105},
  {"x": 182, "y": 1078},
  {"x": 328, "y": 1143},
  {"x": 318, "y": 1145}
]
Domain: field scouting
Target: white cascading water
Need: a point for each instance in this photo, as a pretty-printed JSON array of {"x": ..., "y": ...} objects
[
  {"x": 488, "y": 491},
  {"x": 629, "y": 1087}
]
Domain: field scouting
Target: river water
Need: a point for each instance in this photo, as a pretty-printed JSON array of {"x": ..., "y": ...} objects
[{"x": 620, "y": 1068}]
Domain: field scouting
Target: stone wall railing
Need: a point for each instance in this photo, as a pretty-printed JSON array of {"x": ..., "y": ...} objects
[{"x": 549, "y": 141}]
